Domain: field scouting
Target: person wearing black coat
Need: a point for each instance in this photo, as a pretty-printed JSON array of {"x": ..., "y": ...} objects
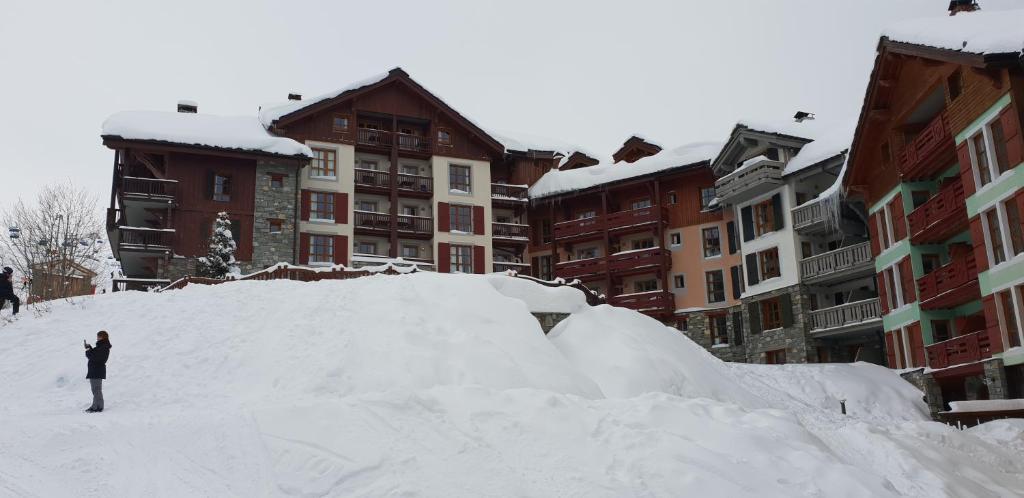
[
  {"x": 97, "y": 356},
  {"x": 7, "y": 290}
]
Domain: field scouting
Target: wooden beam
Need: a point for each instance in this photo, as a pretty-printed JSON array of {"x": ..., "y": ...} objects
[{"x": 141, "y": 156}]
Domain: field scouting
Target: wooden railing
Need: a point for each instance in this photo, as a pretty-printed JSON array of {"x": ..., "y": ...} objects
[
  {"x": 645, "y": 301},
  {"x": 510, "y": 230},
  {"x": 382, "y": 138},
  {"x": 580, "y": 267},
  {"x": 382, "y": 221},
  {"x": 630, "y": 260},
  {"x": 846, "y": 314},
  {"x": 370, "y": 220},
  {"x": 808, "y": 215},
  {"x": 372, "y": 178},
  {"x": 765, "y": 172},
  {"x": 838, "y": 260},
  {"x": 415, "y": 183},
  {"x": 148, "y": 187},
  {"x": 145, "y": 238},
  {"x": 138, "y": 284},
  {"x": 942, "y": 216},
  {"x": 511, "y": 265},
  {"x": 967, "y": 348},
  {"x": 413, "y": 143},
  {"x": 936, "y": 288},
  {"x": 509, "y": 192},
  {"x": 579, "y": 226},
  {"x": 415, "y": 224},
  {"x": 918, "y": 159},
  {"x": 621, "y": 219},
  {"x": 115, "y": 218}
]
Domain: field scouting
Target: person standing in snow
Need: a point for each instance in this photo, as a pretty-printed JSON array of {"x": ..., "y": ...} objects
[
  {"x": 97, "y": 356},
  {"x": 7, "y": 290}
]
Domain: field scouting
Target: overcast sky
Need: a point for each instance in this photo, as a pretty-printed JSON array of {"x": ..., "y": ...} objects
[{"x": 589, "y": 73}]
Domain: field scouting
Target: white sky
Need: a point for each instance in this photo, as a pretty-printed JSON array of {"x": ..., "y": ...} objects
[{"x": 584, "y": 72}]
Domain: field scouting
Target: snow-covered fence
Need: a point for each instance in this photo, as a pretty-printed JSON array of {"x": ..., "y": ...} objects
[{"x": 300, "y": 273}]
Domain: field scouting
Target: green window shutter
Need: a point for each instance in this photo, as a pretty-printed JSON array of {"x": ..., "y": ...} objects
[
  {"x": 737, "y": 328},
  {"x": 754, "y": 314},
  {"x": 730, "y": 229},
  {"x": 747, "y": 218},
  {"x": 786, "y": 303},
  {"x": 752, "y": 276},
  {"x": 734, "y": 273},
  {"x": 777, "y": 207}
]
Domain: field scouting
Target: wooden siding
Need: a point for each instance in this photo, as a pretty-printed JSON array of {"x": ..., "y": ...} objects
[
  {"x": 687, "y": 210},
  {"x": 981, "y": 89}
]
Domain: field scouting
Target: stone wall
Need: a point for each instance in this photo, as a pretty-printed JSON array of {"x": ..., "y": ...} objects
[
  {"x": 795, "y": 339},
  {"x": 549, "y": 320},
  {"x": 995, "y": 378},
  {"x": 929, "y": 388},
  {"x": 278, "y": 203},
  {"x": 698, "y": 331}
]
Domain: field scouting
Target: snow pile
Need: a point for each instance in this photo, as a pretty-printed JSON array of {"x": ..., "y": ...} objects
[
  {"x": 273, "y": 111},
  {"x": 982, "y": 32},
  {"x": 556, "y": 182},
  {"x": 226, "y": 132},
  {"x": 539, "y": 298},
  {"x": 440, "y": 385},
  {"x": 829, "y": 144}
]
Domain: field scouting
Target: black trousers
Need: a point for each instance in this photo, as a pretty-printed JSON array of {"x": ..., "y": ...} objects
[{"x": 15, "y": 302}]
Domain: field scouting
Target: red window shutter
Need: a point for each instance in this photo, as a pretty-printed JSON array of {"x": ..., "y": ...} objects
[
  {"x": 478, "y": 220},
  {"x": 916, "y": 344},
  {"x": 444, "y": 220},
  {"x": 963, "y": 154},
  {"x": 1011, "y": 131},
  {"x": 897, "y": 338},
  {"x": 873, "y": 233},
  {"x": 882, "y": 293},
  {"x": 479, "y": 260},
  {"x": 978, "y": 242},
  {"x": 909, "y": 284},
  {"x": 443, "y": 258},
  {"x": 341, "y": 207},
  {"x": 890, "y": 351},
  {"x": 303, "y": 248},
  {"x": 995, "y": 335},
  {"x": 340, "y": 249},
  {"x": 899, "y": 219},
  {"x": 304, "y": 201}
]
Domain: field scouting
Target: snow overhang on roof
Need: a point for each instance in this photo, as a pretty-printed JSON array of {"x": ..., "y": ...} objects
[
  {"x": 981, "y": 32},
  {"x": 271, "y": 112}
]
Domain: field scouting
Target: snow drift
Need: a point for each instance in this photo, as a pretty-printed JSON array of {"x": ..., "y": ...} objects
[{"x": 444, "y": 385}]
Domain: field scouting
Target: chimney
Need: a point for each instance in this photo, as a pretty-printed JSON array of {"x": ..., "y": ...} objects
[
  {"x": 294, "y": 96},
  {"x": 957, "y": 6},
  {"x": 188, "y": 106},
  {"x": 802, "y": 116}
]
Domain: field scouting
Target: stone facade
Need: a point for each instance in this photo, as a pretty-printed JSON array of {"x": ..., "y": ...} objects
[
  {"x": 995, "y": 378},
  {"x": 549, "y": 320},
  {"x": 273, "y": 203},
  {"x": 930, "y": 389},
  {"x": 179, "y": 267},
  {"x": 794, "y": 339},
  {"x": 698, "y": 331}
]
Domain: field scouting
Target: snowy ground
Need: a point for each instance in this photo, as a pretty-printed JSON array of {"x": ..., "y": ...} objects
[{"x": 440, "y": 385}]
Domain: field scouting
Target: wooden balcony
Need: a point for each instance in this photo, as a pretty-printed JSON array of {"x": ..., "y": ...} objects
[
  {"x": 510, "y": 231},
  {"x": 371, "y": 223},
  {"x": 652, "y": 303},
  {"x": 382, "y": 139},
  {"x": 850, "y": 317},
  {"x": 144, "y": 239},
  {"x": 415, "y": 185},
  {"x": 929, "y": 153},
  {"x": 967, "y": 348},
  {"x": 581, "y": 268},
  {"x": 951, "y": 285},
  {"x": 635, "y": 218},
  {"x": 138, "y": 284},
  {"x": 520, "y": 268},
  {"x": 941, "y": 217},
  {"x": 509, "y": 194},
  {"x": 643, "y": 260},
  {"x": 749, "y": 182},
  {"x": 840, "y": 264},
  {"x": 810, "y": 218},
  {"x": 577, "y": 227},
  {"x": 379, "y": 182},
  {"x": 134, "y": 188}
]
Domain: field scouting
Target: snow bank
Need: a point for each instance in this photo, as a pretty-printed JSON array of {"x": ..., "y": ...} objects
[
  {"x": 539, "y": 298},
  {"x": 982, "y": 32},
  {"x": 228, "y": 132},
  {"x": 556, "y": 182}
]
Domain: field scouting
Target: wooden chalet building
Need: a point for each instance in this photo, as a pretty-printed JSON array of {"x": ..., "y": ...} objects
[{"x": 937, "y": 158}]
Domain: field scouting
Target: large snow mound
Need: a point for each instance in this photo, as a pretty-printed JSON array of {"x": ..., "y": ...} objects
[
  {"x": 226, "y": 132},
  {"x": 445, "y": 385}
]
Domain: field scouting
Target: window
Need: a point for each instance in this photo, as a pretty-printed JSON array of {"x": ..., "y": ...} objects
[
  {"x": 995, "y": 237},
  {"x": 930, "y": 262},
  {"x": 650, "y": 285},
  {"x": 675, "y": 239},
  {"x": 368, "y": 206},
  {"x": 715, "y": 286},
  {"x": 461, "y": 218},
  {"x": 410, "y": 251},
  {"x": 683, "y": 324},
  {"x": 1007, "y": 315},
  {"x": 544, "y": 267},
  {"x": 586, "y": 215},
  {"x": 679, "y": 281},
  {"x": 323, "y": 164},
  {"x": 275, "y": 226},
  {"x": 712, "y": 242},
  {"x": 955, "y": 84},
  {"x": 999, "y": 146},
  {"x": 321, "y": 249},
  {"x": 370, "y": 165},
  {"x": 363, "y": 247},
  {"x": 771, "y": 314},
  {"x": 768, "y": 261},
  {"x": 718, "y": 330},
  {"x": 277, "y": 181},
  {"x": 672, "y": 198},
  {"x": 459, "y": 178},
  {"x": 221, "y": 188},
  {"x": 764, "y": 218},
  {"x": 643, "y": 244},
  {"x": 777, "y": 357},
  {"x": 980, "y": 153},
  {"x": 893, "y": 290},
  {"x": 919, "y": 197},
  {"x": 806, "y": 249},
  {"x": 706, "y": 196},
  {"x": 444, "y": 137},
  {"x": 410, "y": 210},
  {"x": 940, "y": 330},
  {"x": 545, "y": 231},
  {"x": 340, "y": 123},
  {"x": 321, "y": 206},
  {"x": 640, "y": 204},
  {"x": 587, "y": 253},
  {"x": 462, "y": 259},
  {"x": 772, "y": 153},
  {"x": 410, "y": 169},
  {"x": 1014, "y": 226}
]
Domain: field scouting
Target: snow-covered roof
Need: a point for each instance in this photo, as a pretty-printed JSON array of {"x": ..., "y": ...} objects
[
  {"x": 525, "y": 142},
  {"x": 273, "y": 111},
  {"x": 808, "y": 129},
  {"x": 981, "y": 32},
  {"x": 556, "y": 182},
  {"x": 226, "y": 132},
  {"x": 829, "y": 144}
]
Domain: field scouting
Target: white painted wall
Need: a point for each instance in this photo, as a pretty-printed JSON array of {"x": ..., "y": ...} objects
[{"x": 480, "y": 178}]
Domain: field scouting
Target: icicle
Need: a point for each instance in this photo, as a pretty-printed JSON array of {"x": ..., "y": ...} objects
[{"x": 831, "y": 202}]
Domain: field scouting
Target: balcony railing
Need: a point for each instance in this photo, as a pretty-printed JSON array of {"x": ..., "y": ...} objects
[
  {"x": 382, "y": 138},
  {"x": 571, "y": 228},
  {"x": 521, "y": 268},
  {"x": 639, "y": 259},
  {"x": 581, "y": 267},
  {"x": 415, "y": 183},
  {"x": 368, "y": 136},
  {"x": 654, "y": 301},
  {"x": 836, "y": 263},
  {"x": 941, "y": 217},
  {"x": 623, "y": 219},
  {"x": 967, "y": 348},
  {"x": 510, "y": 231},
  {"x": 754, "y": 179},
  {"x": 368, "y": 220},
  {"x": 506, "y": 192},
  {"x": 809, "y": 217},
  {"x": 138, "y": 284},
  {"x": 951, "y": 285},
  {"x": 925, "y": 155},
  {"x": 420, "y": 225},
  {"x": 414, "y": 143},
  {"x": 847, "y": 315},
  {"x": 145, "y": 238},
  {"x": 372, "y": 178},
  {"x": 133, "y": 186}
]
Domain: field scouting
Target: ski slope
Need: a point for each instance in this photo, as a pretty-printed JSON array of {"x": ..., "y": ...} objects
[{"x": 444, "y": 385}]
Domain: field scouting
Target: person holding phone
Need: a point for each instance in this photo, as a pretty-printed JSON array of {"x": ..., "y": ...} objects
[{"x": 97, "y": 356}]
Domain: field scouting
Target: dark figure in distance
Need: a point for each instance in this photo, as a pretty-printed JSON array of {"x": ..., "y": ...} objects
[
  {"x": 7, "y": 290},
  {"x": 97, "y": 356}
]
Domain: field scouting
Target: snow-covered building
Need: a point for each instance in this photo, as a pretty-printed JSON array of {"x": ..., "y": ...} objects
[{"x": 937, "y": 158}]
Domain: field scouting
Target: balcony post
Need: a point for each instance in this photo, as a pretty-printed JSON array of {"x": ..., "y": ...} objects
[
  {"x": 393, "y": 190},
  {"x": 607, "y": 240}
]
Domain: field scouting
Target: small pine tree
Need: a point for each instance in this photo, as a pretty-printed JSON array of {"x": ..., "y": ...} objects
[{"x": 220, "y": 258}]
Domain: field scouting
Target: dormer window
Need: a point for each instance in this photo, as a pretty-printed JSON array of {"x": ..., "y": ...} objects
[
  {"x": 340, "y": 124},
  {"x": 772, "y": 153},
  {"x": 444, "y": 137}
]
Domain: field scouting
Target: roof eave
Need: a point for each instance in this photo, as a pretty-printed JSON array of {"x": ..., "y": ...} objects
[{"x": 117, "y": 141}]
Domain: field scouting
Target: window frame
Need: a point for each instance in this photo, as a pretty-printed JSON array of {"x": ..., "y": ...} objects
[
  {"x": 705, "y": 200},
  {"x": 709, "y": 291},
  {"x": 762, "y": 263},
  {"x": 764, "y": 217},
  {"x": 313, "y": 245},
  {"x": 317, "y": 200},
  {"x": 444, "y": 137},
  {"x": 222, "y": 187},
  {"x": 334, "y": 123},
  {"x": 675, "y": 239},
  {"x": 272, "y": 222},
  {"x": 329, "y": 162},
  {"x": 461, "y": 257},
  {"x": 704, "y": 241},
  {"x": 455, "y": 218},
  {"x": 718, "y": 329},
  {"x": 640, "y": 204},
  {"x": 1006, "y": 231},
  {"x": 278, "y": 179},
  {"x": 362, "y": 244},
  {"x": 415, "y": 248},
  {"x": 452, "y": 168},
  {"x": 771, "y": 313},
  {"x": 679, "y": 281},
  {"x": 992, "y": 154}
]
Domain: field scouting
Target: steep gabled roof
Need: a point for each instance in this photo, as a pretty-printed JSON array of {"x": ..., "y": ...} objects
[
  {"x": 280, "y": 115},
  {"x": 635, "y": 147},
  {"x": 791, "y": 131}
]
